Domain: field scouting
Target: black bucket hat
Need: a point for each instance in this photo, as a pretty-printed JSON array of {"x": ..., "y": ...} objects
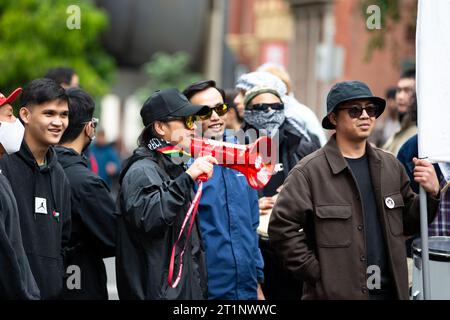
[
  {"x": 347, "y": 91},
  {"x": 168, "y": 103}
]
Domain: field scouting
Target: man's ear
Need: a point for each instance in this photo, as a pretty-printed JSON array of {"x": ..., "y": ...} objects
[
  {"x": 88, "y": 129},
  {"x": 332, "y": 118},
  {"x": 159, "y": 128},
  {"x": 24, "y": 114}
]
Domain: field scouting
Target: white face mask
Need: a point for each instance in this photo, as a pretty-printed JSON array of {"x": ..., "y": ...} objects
[{"x": 11, "y": 136}]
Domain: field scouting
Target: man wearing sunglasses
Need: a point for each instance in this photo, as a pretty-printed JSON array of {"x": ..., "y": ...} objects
[
  {"x": 354, "y": 207},
  {"x": 93, "y": 235},
  {"x": 228, "y": 213},
  {"x": 264, "y": 112},
  {"x": 155, "y": 194}
]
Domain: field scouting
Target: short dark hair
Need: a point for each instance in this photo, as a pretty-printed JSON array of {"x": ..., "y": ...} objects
[
  {"x": 199, "y": 86},
  {"x": 408, "y": 74},
  {"x": 81, "y": 110},
  {"x": 60, "y": 75},
  {"x": 230, "y": 95},
  {"x": 391, "y": 92},
  {"x": 40, "y": 91}
]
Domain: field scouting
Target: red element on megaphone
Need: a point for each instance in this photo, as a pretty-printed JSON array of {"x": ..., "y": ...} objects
[{"x": 253, "y": 160}]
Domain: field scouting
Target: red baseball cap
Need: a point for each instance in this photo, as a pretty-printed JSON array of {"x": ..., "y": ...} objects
[{"x": 11, "y": 98}]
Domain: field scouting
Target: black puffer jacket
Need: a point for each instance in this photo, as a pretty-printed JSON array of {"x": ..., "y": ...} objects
[
  {"x": 154, "y": 197},
  {"x": 43, "y": 200}
]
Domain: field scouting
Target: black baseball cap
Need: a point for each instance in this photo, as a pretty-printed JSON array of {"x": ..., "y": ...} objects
[
  {"x": 347, "y": 91},
  {"x": 166, "y": 103}
]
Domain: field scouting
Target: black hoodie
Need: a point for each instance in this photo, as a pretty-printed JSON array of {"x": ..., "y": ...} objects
[
  {"x": 16, "y": 278},
  {"x": 154, "y": 198},
  {"x": 93, "y": 226},
  {"x": 43, "y": 200}
]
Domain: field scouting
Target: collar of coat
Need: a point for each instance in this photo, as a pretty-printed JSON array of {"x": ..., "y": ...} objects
[{"x": 337, "y": 161}]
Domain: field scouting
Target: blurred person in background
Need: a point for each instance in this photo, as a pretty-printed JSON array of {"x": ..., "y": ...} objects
[
  {"x": 93, "y": 235},
  {"x": 16, "y": 279},
  {"x": 107, "y": 158},
  {"x": 234, "y": 120},
  {"x": 389, "y": 123},
  {"x": 64, "y": 76},
  {"x": 405, "y": 98}
]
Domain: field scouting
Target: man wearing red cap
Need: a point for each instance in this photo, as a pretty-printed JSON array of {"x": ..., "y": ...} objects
[{"x": 16, "y": 279}]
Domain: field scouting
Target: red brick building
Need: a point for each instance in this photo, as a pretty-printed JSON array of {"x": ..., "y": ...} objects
[{"x": 321, "y": 42}]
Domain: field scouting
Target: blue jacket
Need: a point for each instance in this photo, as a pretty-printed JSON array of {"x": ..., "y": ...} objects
[
  {"x": 103, "y": 155},
  {"x": 407, "y": 152},
  {"x": 229, "y": 216}
]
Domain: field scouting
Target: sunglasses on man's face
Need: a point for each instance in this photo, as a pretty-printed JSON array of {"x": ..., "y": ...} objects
[
  {"x": 220, "y": 109},
  {"x": 189, "y": 121},
  {"x": 266, "y": 106},
  {"x": 356, "y": 111}
]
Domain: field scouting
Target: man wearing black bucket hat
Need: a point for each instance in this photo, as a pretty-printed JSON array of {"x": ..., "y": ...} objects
[
  {"x": 353, "y": 206},
  {"x": 159, "y": 253}
]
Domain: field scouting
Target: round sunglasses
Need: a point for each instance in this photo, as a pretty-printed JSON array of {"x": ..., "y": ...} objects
[{"x": 356, "y": 111}]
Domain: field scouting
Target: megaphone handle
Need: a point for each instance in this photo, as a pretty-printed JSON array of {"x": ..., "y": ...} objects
[{"x": 203, "y": 177}]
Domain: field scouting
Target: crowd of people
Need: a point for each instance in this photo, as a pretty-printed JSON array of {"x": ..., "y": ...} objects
[{"x": 339, "y": 212}]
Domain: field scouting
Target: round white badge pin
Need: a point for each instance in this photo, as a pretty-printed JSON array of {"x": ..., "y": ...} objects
[{"x": 389, "y": 202}]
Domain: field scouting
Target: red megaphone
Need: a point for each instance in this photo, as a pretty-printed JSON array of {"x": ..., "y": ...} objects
[{"x": 253, "y": 160}]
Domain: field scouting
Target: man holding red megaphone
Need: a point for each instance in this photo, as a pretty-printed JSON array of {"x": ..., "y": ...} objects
[
  {"x": 228, "y": 209},
  {"x": 159, "y": 251}
]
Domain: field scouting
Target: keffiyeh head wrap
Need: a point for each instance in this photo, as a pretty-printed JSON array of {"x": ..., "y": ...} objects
[{"x": 261, "y": 79}]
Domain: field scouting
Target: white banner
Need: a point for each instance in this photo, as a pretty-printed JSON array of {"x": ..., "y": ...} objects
[{"x": 433, "y": 79}]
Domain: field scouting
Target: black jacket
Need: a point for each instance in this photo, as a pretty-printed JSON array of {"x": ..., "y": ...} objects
[
  {"x": 93, "y": 234},
  {"x": 154, "y": 197},
  {"x": 16, "y": 279},
  {"x": 43, "y": 200}
]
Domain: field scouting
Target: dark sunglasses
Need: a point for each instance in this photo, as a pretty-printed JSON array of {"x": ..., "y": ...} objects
[
  {"x": 356, "y": 111},
  {"x": 220, "y": 109},
  {"x": 266, "y": 106},
  {"x": 189, "y": 121}
]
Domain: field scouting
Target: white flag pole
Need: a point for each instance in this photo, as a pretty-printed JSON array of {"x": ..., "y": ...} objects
[
  {"x": 433, "y": 96},
  {"x": 423, "y": 196},
  {"x": 424, "y": 238}
]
